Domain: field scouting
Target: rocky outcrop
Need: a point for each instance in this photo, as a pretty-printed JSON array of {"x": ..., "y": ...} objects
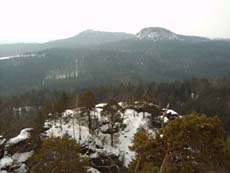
[
  {"x": 15, "y": 152},
  {"x": 106, "y": 163},
  {"x": 156, "y": 34}
]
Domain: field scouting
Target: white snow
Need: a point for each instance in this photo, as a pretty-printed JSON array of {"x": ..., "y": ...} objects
[
  {"x": 18, "y": 56},
  {"x": 122, "y": 140},
  {"x": 22, "y": 169},
  {"x": 22, "y": 157},
  {"x": 24, "y": 134},
  {"x": 126, "y": 137},
  {"x": 156, "y": 34},
  {"x": 68, "y": 113},
  {"x": 16, "y": 159},
  {"x": 93, "y": 170},
  {"x": 5, "y": 161},
  {"x": 165, "y": 119},
  {"x": 63, "y": 72},
  {"x": 101, "y": 105},
  {"x": 6, "y": 57},
  {"x": 2, "y": 140},
  {"x": 28, "y": 108},
  {"x": 172, "y": 112}
]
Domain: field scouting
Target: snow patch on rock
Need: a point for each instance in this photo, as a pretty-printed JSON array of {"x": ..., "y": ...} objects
[
  {"x": 22, "y": 157},
  {"x": 6, "y": 161},
  {"x": 156, "y": 34},
  {"x": 24, "y": 134},
  {"x": 78, "y": 130}
]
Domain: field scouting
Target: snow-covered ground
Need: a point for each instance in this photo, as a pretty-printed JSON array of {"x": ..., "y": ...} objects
[
  {"x": 73, "y": 124},
  {"x": 6, "y": 57},
  {"x": 17, "y": 158},
  {"x": 122, "y": 140},
  {"x": 18, "y": 56}
]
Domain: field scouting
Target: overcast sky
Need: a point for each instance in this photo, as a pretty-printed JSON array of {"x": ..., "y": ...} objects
[{"x": 43, "y": 20}]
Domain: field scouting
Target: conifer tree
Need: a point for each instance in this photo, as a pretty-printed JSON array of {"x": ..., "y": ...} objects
[
  {"x": 87, "y": 102},
  {"x": 113, "y": 112},
  {"x": 58, "y": 155},
  {"x": 193, "y": 143}
]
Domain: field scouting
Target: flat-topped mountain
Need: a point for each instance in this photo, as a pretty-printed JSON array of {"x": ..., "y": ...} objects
[{"x": 158, "y": 34}]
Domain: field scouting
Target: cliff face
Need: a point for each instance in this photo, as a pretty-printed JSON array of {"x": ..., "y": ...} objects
[{"x": 156, "y": 34}]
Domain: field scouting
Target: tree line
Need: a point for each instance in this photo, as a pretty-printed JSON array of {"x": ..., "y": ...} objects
[{"x": 210, "y": 96}]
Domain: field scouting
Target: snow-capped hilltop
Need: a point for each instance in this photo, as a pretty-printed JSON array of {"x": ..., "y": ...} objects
[{"x": 156, "y": 34}]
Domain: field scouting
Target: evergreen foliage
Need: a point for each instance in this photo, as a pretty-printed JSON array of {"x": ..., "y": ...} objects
[
  {"x": 87, "y": 102},
  {"x": 113, "y": 112},
  {"x": 58, "y": 155},
  {"x": 193, "y": 143}
]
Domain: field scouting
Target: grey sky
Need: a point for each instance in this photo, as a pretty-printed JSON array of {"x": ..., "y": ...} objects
[{"x": 43, "y": 20}]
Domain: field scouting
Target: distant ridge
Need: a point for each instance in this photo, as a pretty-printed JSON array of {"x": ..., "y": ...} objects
[
  {"x": 90, "y": 38},
  {"x": 96, "y": 58},
  {"x": 83, "y": 39}
]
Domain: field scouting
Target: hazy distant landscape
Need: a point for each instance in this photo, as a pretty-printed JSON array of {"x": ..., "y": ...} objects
[
  {"x": 115, "y": 86},
  {"x": 94, "y": 58}
]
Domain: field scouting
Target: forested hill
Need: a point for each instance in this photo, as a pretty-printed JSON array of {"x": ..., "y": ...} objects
[
  {"x": 83, "y": 39},
  {"x": 115, "y": 58}
]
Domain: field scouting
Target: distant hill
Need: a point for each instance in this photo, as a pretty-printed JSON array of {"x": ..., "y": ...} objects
[
  {"x": 84, "y": 39},
  {"x": 100, "y": 58},
  {"x": 90, "y": 38},
  {"x": 158, "y": 34}
]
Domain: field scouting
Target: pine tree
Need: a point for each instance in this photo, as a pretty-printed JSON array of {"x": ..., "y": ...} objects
[
  {"x": 113, "y": 112},
  {"x": 58, "y": 155},
  {"x": 87, "y": 102},
  {"x": 193, "y": 143}
]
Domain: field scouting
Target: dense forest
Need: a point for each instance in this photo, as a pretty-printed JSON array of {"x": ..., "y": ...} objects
[
  {"x": 210, "y": 96},
  {"x": 196, "y": 141},
  {"x": 113, "y": 62}
]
